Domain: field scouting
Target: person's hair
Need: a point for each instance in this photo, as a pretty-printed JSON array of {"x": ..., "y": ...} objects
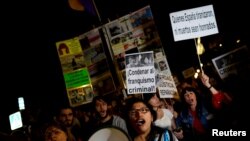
[
  {"x": 129, "y": 104},
  {"x": 198, "y": 99},
  {"x": 148, "y": 96},
  {"x": 106, "y": 100},
  {"x": 54, "y": 125},
  {"x": 190, "y": 89},
  {"x": 161, "y": 62},
  {"x": 62, "y": 107},
  {"x": 102, "y": 98}
]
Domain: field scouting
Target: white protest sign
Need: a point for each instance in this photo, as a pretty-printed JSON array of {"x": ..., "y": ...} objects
[
  {"x": 140, "y": 73},
  {"x": 193, "y": 23},
  {"x": 164, "y": 79}
]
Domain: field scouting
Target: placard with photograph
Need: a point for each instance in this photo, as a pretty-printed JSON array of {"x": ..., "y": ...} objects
[
  {"x": 80, "y": 95},
  {"x": 137, "y": 35},
  {"x": 231, "y": 62},
  {"x": 83, "y": 59},
  {"x": 140, "y": 73}
]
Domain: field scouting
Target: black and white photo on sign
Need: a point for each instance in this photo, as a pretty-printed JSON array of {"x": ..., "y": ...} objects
[
  {"x": 163, "y": 65},
  {"x": 147, "y": 59},
  {"x": 231, "y": 62},
  {"x": 133, "y": 61},
  {"x": 140, "y": 73},
  {"x": 139, "y": 60}
]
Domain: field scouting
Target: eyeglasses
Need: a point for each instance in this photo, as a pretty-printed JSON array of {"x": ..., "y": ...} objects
[{"x": 133, "y": 112}]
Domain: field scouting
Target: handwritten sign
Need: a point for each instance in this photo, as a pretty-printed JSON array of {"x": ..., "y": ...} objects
[{"x": 193, "y": 23}]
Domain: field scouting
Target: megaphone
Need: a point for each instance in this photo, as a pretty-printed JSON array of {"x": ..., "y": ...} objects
[{"x": 109, "y": 133}]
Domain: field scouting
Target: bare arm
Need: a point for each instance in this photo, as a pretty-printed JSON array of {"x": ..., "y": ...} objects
[
  {"x": 206, "y": 83},
  {"x": 218, "y": 96}
]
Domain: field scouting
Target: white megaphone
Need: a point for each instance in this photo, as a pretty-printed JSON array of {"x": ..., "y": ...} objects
[{"x": 109, "y": 133}]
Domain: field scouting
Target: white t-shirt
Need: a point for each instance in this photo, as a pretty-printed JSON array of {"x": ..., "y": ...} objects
[{"x": 166, "y": 120}]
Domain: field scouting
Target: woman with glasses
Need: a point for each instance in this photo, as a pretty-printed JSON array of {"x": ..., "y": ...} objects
[{"x": 140, "y": 122}]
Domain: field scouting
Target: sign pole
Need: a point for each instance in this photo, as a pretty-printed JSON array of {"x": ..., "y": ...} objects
[{"x": 196, "y": 46}]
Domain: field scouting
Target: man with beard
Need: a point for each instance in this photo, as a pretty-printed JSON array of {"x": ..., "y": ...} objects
[
  {"x": 104, "y": 116},
  {"x": 66, "y": 118}
]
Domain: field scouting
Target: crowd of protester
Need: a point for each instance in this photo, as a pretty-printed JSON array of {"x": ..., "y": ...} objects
[{"x": 201, "y": 106}]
